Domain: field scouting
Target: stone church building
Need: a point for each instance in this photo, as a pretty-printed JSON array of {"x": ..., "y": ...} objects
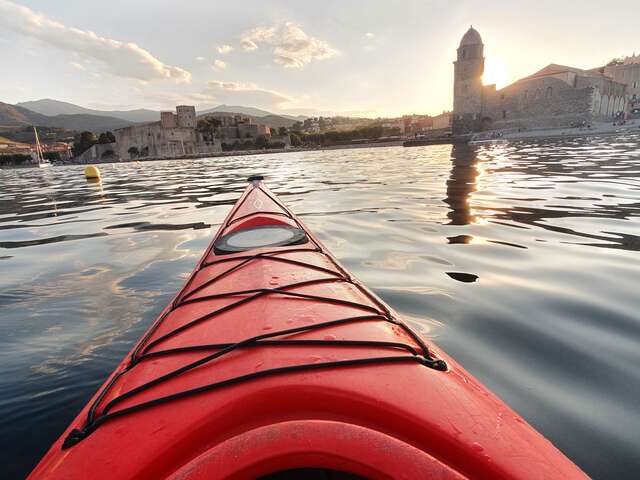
[{"x": 555, "y": 96}]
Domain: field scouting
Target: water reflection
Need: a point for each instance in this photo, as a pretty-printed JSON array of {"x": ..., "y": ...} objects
[
  {"x": 595, "y": 166},
  {"x": 522, "y": 259},
  {"x": 461, "y": 184}
]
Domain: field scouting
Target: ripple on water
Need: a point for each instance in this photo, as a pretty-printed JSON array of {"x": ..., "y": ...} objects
[{"x": 522, "y": 259}]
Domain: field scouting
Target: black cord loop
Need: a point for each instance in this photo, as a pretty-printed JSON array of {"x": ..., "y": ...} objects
[{"x": 142, "y": 352}]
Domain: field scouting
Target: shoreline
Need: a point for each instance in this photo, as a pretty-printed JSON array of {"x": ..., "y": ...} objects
[
  {"x": 538, "y": 134},
  {"x": 235, "y": 153}
]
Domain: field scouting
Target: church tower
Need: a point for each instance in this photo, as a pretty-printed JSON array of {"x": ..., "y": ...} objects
[{"x": 467, "y": 83}]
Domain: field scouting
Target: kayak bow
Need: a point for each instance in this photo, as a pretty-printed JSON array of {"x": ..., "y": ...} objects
[{"x": 273, "y": 361}]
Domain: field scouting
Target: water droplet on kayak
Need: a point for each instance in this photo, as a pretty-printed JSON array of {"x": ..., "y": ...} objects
[
  {"x": 267, "y": 327},
  {"x": 330, "y": 337},
  {"x": 477, "y": 447},
  {"x": 306, "y": 318}
]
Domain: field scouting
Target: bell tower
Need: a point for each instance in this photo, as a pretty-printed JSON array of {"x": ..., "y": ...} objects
[{"x": 467, "y": 83}]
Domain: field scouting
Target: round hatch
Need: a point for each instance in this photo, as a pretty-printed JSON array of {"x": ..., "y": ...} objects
[{"x": 259, "y": 237}]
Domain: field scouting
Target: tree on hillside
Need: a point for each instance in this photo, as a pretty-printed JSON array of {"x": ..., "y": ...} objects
[
  {"x": 295, "y": 140},
  {"x": 262, "y": 142},
  {"x": 208, "y": 127},
  {"x": 83, "y": 142},
  {"x": 282, "y": 131},
  {"x": 106, "y": 137},
  {"x": 133, "y": 152},
  {"x": 107, "y": 154}
]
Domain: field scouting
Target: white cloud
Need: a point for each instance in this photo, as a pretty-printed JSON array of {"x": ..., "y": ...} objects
[
  {"x": 219, "y": 65},
  {"x": 200, "y": 59},
  {"x": 78, "y": 66},
  {"x": 248, "y": 45},
  {"x": 371, "y": 42},
  {"x": 216, "y": 92},
  {"x": 292, "y": 47},
  {"x": 224, "y": 49},
  {"x": 124, "y": 59}
]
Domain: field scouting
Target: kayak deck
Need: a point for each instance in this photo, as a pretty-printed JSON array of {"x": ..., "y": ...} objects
[{"x": 276, "y": 358}]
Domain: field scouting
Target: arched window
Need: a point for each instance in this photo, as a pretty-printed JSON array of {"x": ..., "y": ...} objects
[
  {"x": 464, "y": 53},
  {"x": 549, "y": 92},
  {"x": 526, "y": 94}
]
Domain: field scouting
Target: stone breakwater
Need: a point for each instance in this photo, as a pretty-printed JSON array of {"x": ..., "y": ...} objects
[{"x": 631, "y": 126}]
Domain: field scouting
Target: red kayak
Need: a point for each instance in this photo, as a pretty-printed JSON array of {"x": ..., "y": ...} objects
[{"x": 274, "y": 362}]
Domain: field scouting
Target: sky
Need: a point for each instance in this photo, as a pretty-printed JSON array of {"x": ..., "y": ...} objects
[{"x": 334, "y": 57}]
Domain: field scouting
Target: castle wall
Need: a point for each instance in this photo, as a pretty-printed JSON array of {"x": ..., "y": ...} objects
[
  {"x": 167, "y": 119},
  {"x": 629, "y": 74},
  {"x": 98, "y": 153},
  {"x": 545, "y": 102},
  {"x": 186, "y": 116},
  {"x": 173, "y": 136},
  {"x": 152, "y": 140}
]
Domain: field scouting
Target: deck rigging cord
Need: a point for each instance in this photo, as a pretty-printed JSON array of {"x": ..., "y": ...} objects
[{"x": 376, "y": 312}]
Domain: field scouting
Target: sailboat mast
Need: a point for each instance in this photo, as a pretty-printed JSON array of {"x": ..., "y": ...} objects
[{"x": 38, "y": 147}]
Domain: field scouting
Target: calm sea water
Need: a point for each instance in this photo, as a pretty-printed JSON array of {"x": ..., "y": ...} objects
[{"x": 521, "y": 260}]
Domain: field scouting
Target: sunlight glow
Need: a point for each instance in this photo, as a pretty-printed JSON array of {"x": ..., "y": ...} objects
[{"x": 495, "y": 71}]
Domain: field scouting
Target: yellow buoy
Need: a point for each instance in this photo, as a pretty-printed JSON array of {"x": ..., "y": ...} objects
[{"x": 91, "y": 171}]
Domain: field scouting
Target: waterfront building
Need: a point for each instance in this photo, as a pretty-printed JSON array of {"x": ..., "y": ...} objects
[
  {"x": 627, "y": 71},
  {"x": 239, "y": 129},
  {"x": 58, "y": 150},
  {"x": 555, "y": 96},
  {"x": 174, "y": 135},
  {"x": 11, "y": 147},
  {"x": 442, "y": 121}
]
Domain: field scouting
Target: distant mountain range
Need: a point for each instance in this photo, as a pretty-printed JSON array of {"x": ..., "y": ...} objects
[
  {"x": 254, "y": 112},
  {"x": 271, "y": 120},
  {"x": 16, "y": 116},
  {"x": 54, "y": 113},
  {"x": 50, "y": 107}
]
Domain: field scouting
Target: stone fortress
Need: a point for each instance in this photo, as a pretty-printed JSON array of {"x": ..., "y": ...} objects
[
  {"x": 173, "y": 136},
  {"x": 556, "y": 96}
]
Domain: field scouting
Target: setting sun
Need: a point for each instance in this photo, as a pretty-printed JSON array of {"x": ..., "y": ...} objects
[{"x": 495, "y": 71}]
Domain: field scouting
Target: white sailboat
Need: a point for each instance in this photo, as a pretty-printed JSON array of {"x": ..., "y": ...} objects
[{"x": 42, "y": 163}]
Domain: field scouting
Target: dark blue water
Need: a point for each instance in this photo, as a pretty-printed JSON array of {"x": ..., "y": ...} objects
[{"x": 521, "y": 260}]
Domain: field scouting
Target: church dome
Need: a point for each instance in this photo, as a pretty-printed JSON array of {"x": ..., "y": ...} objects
[{"x": 472, "y": 37}]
